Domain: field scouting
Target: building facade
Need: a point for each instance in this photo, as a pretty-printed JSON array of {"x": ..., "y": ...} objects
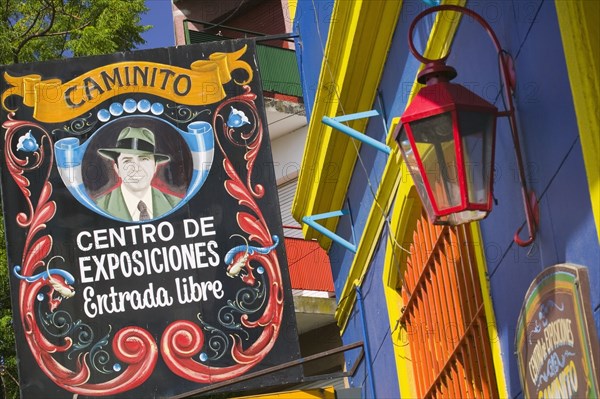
[
  {"x": 437, "y": 306},
  {"x": 308, "y": 263}
]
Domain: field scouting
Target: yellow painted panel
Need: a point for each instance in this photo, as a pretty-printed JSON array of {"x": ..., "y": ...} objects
[
  {"x": 322, "y": 393},
  {"x": 350, "y": 74},
  {"x": 580, "y": 30},
  {"x": 406, "y": 210},
  {"x": 292, "y": 5},
  {"x": 490, "y": 316},
  {"x": 316, "y": 170}
]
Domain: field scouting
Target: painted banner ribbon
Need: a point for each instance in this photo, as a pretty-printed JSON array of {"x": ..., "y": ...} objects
[{"x": 53, "y": 101}]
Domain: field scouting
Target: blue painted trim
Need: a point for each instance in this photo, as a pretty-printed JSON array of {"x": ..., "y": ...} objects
[
  {"x": 369, "y": 365},
  {"x": 358, "y": 115},
  {"x": 328, "y": 215},
  {"x": 311, "y": 221},
  {"x": 355, "y": 134}
]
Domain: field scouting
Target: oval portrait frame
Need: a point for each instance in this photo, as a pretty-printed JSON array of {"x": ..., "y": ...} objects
[{"x": 89, "y": 176}]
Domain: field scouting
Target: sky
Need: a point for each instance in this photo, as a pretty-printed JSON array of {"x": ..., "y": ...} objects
[{"x": 160, "y": 17}]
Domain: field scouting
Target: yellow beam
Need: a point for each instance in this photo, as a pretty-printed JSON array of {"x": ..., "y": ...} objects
[
  {"x": 350, "y": 74},
  {"x": 488, "y": 305},
  {"x": 579, "y": 23},
  {"x": 440, "y": 40},
  {"x": 292, "y": 5},
  {"x": 406, "y": 211}
]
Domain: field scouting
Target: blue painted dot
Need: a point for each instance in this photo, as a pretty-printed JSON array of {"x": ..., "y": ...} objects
[
  {"x": 129, "y": 105},
  {"x": 203, "y": 357},
  {"x": 103, "y": 115},
  {"x": 40, "y": 297},
  {"x": 143, "y": 106},
  {"x": 116, "y": 109},
  {"x": 117, "y": 367},
  {"x": 260, "y": 270},
  {"x": 157, "y": 108}
]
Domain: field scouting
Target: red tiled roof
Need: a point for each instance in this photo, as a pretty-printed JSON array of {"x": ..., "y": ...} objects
[{"x": 309, "y": 265}]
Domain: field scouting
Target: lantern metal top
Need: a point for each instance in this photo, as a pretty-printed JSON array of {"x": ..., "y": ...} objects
[
  {"x": 435, "y": 72},
  {"x": 443, "y": 97}
]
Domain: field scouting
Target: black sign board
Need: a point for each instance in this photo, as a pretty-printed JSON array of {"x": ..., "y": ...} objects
[
  {"x": 556, "y": 340},
  {"x": 144, "y": 239}
]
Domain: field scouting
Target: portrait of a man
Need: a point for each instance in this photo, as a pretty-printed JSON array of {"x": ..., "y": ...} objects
[{"x": 135, "y": 162}]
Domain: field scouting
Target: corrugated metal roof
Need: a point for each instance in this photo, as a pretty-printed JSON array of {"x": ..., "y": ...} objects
[
  {"x": 202, "y": 37},
  {"x": 309, "y": 265},
  {"x": 279, "y": 70}
]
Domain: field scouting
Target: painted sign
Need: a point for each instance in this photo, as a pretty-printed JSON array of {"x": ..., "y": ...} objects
[
  {"x": 144, "y": 238},
  {"x": 556, "y": 340}
]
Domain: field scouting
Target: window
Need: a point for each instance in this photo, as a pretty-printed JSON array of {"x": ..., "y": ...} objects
[{"x": 444, "y": 316}]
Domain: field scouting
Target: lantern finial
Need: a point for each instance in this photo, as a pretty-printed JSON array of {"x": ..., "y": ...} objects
[{"x": 436, "y": 72}]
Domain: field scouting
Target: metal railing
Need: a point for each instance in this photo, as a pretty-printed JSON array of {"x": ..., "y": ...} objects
[{"x": 278, "y": 66}]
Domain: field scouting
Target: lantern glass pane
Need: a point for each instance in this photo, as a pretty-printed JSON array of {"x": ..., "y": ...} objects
[
  {"x": 413, "y": 168},
  {"x": 434, "y": 137},
  {"x": 477, "y": 134}
]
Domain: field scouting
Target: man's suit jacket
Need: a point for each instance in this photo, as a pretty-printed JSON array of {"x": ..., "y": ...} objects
[{"x": 114, "y": 203}]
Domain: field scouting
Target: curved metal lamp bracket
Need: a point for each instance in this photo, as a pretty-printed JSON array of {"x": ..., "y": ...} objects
[{"x": 507, "y": 72}]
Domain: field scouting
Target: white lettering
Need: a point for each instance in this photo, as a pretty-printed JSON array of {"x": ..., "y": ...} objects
[
  {"x": 190, "y": 224},
  {"x": 118, "y": 302},
  {"x": 124, "y": 236},
  {"x": 148, "y": 231},
  {"x": 84, "y": 268},
  {"x": 565, "y": 385},
  {"x": 99, "y": 238},
  {"x": 169, "y": 230},
  {"x": 189, "y": 291},
  {"x": 79, "y": 243},
  {"x": 206, "y": 226}
]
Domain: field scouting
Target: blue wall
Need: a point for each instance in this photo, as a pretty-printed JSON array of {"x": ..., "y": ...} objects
[
  {"x": 399, "y": 73},
  {"x": 551, "y": 150},
  {"x": 378, "y": 330}
]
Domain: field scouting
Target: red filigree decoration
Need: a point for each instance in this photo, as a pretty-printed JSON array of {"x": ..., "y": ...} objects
[
  {"x": 183, "y": 339},
  {"x": 131, "y": 345}
]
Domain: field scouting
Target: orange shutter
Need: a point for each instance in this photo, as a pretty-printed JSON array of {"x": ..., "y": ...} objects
[{"x": 444, "y": 315}]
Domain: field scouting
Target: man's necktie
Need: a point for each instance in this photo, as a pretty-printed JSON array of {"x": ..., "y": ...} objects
[{"x": 144, "y": 215}]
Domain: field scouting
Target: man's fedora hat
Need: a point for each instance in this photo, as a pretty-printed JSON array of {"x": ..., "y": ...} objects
[{"x": 134, "y": 140}]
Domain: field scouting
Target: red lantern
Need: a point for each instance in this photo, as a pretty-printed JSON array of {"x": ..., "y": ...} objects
[{"x": 447, "y": 137}]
